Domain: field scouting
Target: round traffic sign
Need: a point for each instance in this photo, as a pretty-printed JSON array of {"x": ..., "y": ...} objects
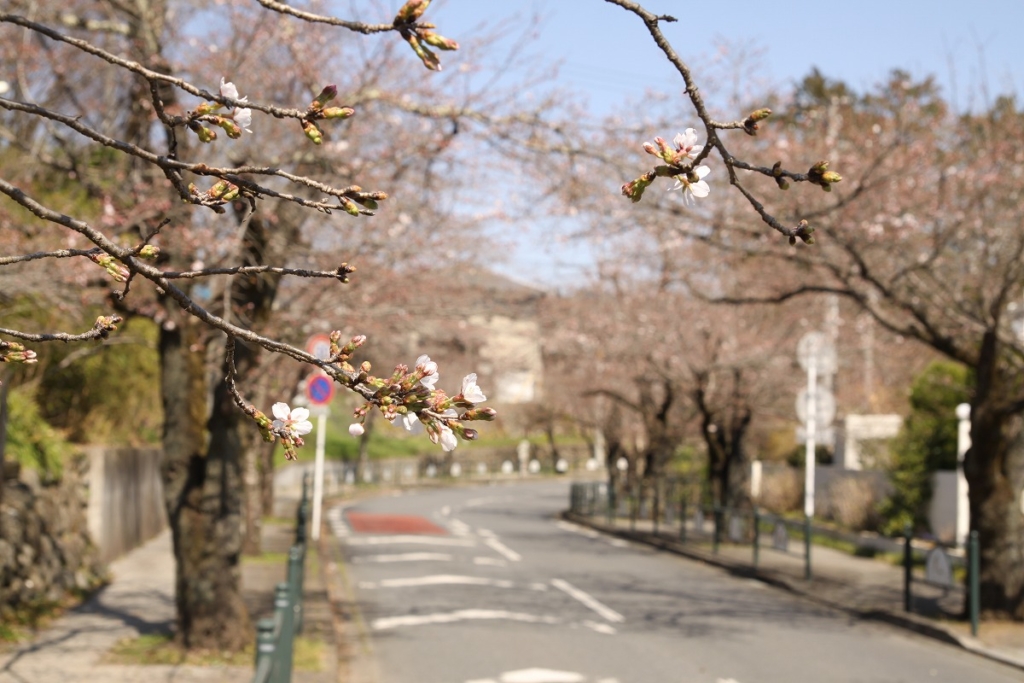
[
  {"x": 319, "y": 390},
  {"x": 319, "y": 346},
  {"x": 819, "y": 347}
]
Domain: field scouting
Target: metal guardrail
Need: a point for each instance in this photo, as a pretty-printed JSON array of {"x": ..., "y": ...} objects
[
  {"x": 674, "y": 510},
  {"x": 275, "y": 637}
]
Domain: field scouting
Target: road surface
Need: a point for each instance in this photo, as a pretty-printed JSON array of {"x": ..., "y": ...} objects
[{"x": 486, "y": 585}]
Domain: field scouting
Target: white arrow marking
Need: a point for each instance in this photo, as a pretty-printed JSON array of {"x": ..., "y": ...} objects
[{"x": 606, "y": 612}]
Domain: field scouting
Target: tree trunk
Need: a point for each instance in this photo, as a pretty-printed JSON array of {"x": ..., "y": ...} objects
[
  {"x": 995, "y": 474},
  {"x": 202, "y": 495},
  {"x": 251, "y": 442}
]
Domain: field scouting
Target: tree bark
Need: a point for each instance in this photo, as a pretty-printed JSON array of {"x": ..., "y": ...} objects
[
  {"x": 994, "y": 468},
  {"x": 202, "y": 496}
]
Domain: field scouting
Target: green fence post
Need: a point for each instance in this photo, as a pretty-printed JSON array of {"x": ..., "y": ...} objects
[
  {"x": 908, "y": 569},
  {"x": 717, "y": 537},
  {"x": 296, "y": 578},
  {"x": 807, "y": 547},
  {"x": 682, "y": 520},
  {"x": 284, "y": 609},
  {"x": 264, "y": 651},
  {"x": 757, "y": 536},
  {"x": 975, "y": 579}
]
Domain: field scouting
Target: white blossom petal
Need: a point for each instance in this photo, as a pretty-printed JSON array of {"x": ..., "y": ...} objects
[
  {"x": 470, "y": 391},
  {"x": 700, "y": 189},
  {"x": 302, "y": 428},
  {"x": 228, "y": 89},
  {"x": 702, "y": 171},
  {"x": 281, "y": 411},
  {"x": 448, "y": 439},
  {"x": 243, "y": 117},
  {"x": 299, "y": 414},
  {"x": 356, "y": 429}
]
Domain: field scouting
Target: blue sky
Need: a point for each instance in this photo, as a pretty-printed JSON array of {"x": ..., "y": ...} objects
[{"x": 607, "y": 54}]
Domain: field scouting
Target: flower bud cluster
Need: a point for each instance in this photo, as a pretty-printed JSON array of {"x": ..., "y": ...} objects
[
  {"x": 105, "y": 324},
  {"x": 409, "y": 399},
  {"x": 679, "y": 158},
  {"x": 318, "y": 109},
  {"x": 222, "y": 192},
  {"x": 117, "y": 270},
  {"x": 232, "y": 122},
  {"x": 821, "y": 176},
  {"x": 804, "y": 231},
  {"x": 750, "y": 123},
  {"x": 420, "y": 36},
  {"x": 13, "y": 352}
]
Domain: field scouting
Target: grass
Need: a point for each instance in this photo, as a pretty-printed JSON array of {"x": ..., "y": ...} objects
[
  {"x": 160, "y": 648},
  {"x": 266, "y": 558}
]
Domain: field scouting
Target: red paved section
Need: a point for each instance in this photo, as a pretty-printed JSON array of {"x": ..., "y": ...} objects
[{"x": 362, "y": 522}]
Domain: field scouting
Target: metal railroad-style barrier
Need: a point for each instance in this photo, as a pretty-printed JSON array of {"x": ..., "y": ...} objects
[{"x": 275, "y": 637}]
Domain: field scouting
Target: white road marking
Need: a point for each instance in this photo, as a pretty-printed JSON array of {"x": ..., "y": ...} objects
[
  {"x": 385, "y": 623},
  {"x": 502, "y": 549},
  {"x": 606, "y": 612},
  {"x": 420, "y": 540},
  {"x": 577, "y": 529},
  {"x": 437, "y": 580},
  {"x": 618, "y": 543},
  {"x": 541, "y": 676},
  {"x": 600, "y": 628},
  {"x": 459, "y": 528},
  {"x": 404, "y": 557},
  {"x": 486, "y": 533},
  {"x": 539, "y": 586},
  {"x": 490, "y": 561},
  {"x": 727, "y": 680}
]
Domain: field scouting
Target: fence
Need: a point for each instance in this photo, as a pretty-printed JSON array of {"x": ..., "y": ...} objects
[
  {"x": 674, "y": 507},
  {"x": 674, "y": 510},
  {"x": 275, "y": 637}
]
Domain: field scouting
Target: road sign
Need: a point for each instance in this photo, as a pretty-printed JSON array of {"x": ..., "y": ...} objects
[
  {"x": 319, "y": 346},
  {"x": 824, "y": 407},
  {"x": 818, "y": 346},
  {"x": 319, "y": 389}
]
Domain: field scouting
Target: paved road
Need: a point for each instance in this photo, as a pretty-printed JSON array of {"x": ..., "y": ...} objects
[{"x": 509, "y": 594}]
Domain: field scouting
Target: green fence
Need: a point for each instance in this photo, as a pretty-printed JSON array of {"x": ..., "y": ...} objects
[{"x": 275, "y": 637}]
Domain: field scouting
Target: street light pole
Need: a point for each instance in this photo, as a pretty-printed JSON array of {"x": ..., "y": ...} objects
[{"x": 963, "y": 443}]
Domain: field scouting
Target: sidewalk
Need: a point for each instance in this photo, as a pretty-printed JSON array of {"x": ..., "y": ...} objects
[
  {"x": 865, "y": 587},
  {"x": 140, "y": 600}
]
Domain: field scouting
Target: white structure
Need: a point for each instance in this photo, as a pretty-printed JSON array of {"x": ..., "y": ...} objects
[
  {"x": 860, "y": 428},
  {"x": 963, "y": 442}
]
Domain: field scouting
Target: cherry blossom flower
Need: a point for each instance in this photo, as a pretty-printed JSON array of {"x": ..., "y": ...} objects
[
  {"x": 356, "y": 429},
  {"x": 292, "y": 421},
  {"x": 241, "y": 115},
  {"x": 693, "y": 185},
  {"x": 429, "y": 369},
  {"x": 409, "y": 422},
  {"x": 686, "y": 145},
  {"x": 447, "y": 438},
  {"x": 470, "y": 391}
]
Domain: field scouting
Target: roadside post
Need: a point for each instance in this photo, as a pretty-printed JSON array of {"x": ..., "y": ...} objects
[{"x": 319, "y": 391}]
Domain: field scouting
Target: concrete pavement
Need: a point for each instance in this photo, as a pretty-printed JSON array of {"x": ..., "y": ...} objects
[{"x": 140, "y": 600}]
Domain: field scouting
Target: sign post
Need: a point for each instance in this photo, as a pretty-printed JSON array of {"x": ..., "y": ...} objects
[
  {"x": 319, "y": 391},
  {"x": 816, "y": 356}
]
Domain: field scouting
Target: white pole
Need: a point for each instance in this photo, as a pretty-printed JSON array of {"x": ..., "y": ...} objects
[
  {"x": 963, "y": 442},
  {"x": 318, "y": 471},
  {"x": 812, "y": 410}
]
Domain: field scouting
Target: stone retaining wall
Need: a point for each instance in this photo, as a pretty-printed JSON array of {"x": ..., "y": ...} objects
[{"x": 45, "y": 549}]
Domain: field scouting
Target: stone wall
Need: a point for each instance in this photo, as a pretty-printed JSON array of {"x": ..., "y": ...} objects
[{"x": 45, "y": 550}]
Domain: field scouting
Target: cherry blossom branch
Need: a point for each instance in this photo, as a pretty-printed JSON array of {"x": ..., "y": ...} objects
[
  {"x": 684, "y": 165},
  {"x": 358, "y": 27},
  {"x": 103, "y": 326},
  {"x": 341, "y": 273},
  {"x": 59, "y": 253}
]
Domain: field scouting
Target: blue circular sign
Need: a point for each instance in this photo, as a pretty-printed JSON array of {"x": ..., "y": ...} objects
[{"x": 319, "y": 390}]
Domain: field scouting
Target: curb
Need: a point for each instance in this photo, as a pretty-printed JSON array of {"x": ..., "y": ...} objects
[{"x": 919, "y": 625}]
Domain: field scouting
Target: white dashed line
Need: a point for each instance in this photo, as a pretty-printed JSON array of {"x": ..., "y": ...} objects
[
  {"x": 385, "y": 623},
  {"x": 606, "y": 612},
  {"x": 490, "y": 562},
  {"x": 437, "y": 580},
  {"x": 502, "y": 549},
  {"x": 420, "y": 540},
  {"x": 404, "y": 557},
  {"x": 600, "y": 628}
]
